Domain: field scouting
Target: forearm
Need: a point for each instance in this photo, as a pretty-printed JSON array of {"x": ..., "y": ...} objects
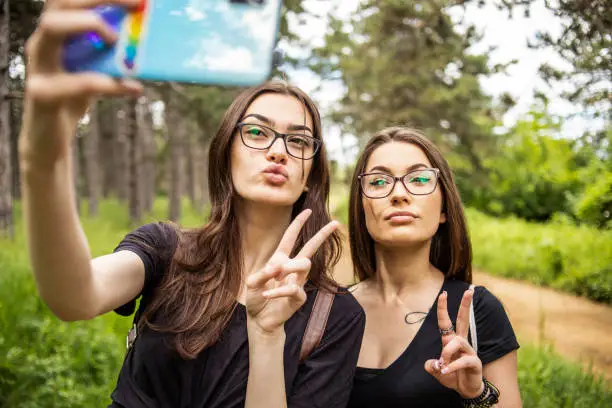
[
  {"x": 58, "y": 248},
  {"x": 266, "y": 381},
  {"x": 503, "y": 374}
]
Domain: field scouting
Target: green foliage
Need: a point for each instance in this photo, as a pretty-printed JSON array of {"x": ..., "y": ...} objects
[
  {"x": 568, "y": 257},
  {"x": 48, "y": 363},
  {"x": 405, "y": 63},
  {"x": 44, "y": 362},
  {"x": 584, "y": 42},
  {"x": 547, "y": 380},
  {"x": 533, "y": 174},
  {"x": 595, "y": 205}
]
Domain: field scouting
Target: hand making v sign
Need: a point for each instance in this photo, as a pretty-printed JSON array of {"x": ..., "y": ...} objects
[
  {"x": 459, "y": 367},
  {"x": 276, "y": 292}
]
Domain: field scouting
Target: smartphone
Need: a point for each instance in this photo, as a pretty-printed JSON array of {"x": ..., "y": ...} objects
[{"x": 221, "y": 42}]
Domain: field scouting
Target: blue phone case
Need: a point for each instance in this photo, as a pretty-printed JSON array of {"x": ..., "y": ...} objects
[{"x": 224, "y": 42}]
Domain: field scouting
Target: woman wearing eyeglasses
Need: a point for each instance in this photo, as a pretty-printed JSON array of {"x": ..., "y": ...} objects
[
  {"x": 223, "y": 308},
  {"x": 412, "y": 256}
]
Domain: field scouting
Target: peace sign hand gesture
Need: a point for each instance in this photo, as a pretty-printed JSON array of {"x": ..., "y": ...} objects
[
  {"x": 276, "y": 292},
  {"x": 459, "y": 367}
]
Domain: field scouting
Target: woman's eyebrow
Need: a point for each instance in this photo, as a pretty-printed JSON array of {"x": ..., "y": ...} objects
[
  {"x": 272, "y": 123},
  {"x": 408, "y": 169}
]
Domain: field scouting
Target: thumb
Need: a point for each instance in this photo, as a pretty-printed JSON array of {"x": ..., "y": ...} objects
[{"x": 433, "y": 368}]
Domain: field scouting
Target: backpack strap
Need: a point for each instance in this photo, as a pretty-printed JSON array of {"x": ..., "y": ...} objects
[
  {"x": 312, "y": 335},
  {"x": 473, "y": 337},
  {"x": 316, "y": 322}
]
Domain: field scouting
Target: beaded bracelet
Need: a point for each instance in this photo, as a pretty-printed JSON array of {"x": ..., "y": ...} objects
[{"x": 488, "y": 398}]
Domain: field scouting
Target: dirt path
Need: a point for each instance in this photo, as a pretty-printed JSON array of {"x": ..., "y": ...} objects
[{"x": 579, "y": 329}]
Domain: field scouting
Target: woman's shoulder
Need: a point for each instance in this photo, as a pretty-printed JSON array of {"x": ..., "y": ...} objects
[
  {"x": 460, "y": 286},
  {"x": 158, "y": 235},
  {"x": 345, "y": 309},
  {"x": 346, "y": 303}
]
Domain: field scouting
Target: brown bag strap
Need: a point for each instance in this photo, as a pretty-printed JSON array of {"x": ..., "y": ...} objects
[{"x": 316, "y": 322}]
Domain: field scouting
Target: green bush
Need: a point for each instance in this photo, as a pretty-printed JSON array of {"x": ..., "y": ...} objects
[
  {"x": 548, "y": 381},
  {"x": 595, "y": 204},
  {"x": 48, "y": 363},
  {"x": 577, "y": 259}
]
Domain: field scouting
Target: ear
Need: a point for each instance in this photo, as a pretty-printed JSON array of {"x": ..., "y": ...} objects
[{"x": 442, "y": 218}]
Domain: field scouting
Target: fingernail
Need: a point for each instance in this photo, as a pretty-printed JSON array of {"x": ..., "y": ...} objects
[
  {"x": 436, "y": 365},
  {"x": 266, "y": 293},
  {"x": 444, "y": 370}
]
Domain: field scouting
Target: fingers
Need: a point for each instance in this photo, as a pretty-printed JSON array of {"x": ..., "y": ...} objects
[
  {"x": 463, "y": 316},
  {"x": 293, "y": 231},
  {"x": 456, "y": 345},
  {"x": 444, "y": 321},
  {"x": 291, "y": 289},
  {"x": 54, "y": 87},
  {"x": 64, "y": 18},
  {"x": 297, "y": 266},
  {"x": 433, "y": 367},
  {"x": 463, "y": 363},
  {"x": 83, "y": 4},
  {"x": 258, "y": 279},
  {"x": 438, "y": 370},
  {"x": 58, "y": 24},
  {"x": 319, "y": 238}
]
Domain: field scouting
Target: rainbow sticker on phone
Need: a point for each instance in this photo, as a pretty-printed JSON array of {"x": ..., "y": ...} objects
[{"x": 134, "y": 29}]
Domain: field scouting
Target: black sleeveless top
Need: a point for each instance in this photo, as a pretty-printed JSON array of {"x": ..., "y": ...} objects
[
  {"x": 155, "y": 376},
  {"x": 405, "y": 383}
]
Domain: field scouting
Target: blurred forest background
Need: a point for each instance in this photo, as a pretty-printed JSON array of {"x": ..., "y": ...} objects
[{"x": 539, "y": 202}]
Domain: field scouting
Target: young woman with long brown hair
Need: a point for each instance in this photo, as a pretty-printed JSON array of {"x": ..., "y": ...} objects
[
  {"x": 412, "y": 257},
  {"x": 224, "y": 307}
]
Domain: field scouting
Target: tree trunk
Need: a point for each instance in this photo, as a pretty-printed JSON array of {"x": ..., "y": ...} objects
[
  {"x": 175, "y": 127},
  {"x": 134, "y": 160},
  {"x": 107, "y": 121},
  {"x": 190, "y": 167},
  {"x": 122, "y": 154},
  {"x": 16, "y": 113},
  {"x": 202, "y": 165},
  {"x": 91, "y": 145},
  {"x": 149, "y": 152},
  {"x": 6, "y": 179}
]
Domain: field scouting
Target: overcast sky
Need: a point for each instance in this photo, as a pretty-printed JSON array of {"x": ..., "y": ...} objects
[{"x": 508, "y": 35}]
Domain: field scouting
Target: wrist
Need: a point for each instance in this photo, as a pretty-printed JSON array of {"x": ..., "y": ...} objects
[
  {"x": 474, "y": 393},
  {"x": 258, "y": 336},
  {"x": 487, "y": 398},
  {"x": 33, "y": 161}
]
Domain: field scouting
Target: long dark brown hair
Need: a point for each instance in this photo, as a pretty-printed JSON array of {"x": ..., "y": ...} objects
[
  {"x": 451, "y": 250},
  {"x": 198, "y": 294}
]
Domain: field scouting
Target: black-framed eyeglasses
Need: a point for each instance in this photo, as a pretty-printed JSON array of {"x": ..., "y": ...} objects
[
  {"x": 261, "y": 137},
  {"x": 417, "y": 182}
]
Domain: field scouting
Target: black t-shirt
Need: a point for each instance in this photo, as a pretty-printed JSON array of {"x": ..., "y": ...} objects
[
  {"x": 154, "y": 375},
  {"x": 405, "y": 383}
]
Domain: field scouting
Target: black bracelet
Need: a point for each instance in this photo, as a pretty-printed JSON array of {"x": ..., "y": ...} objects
[{"x": 488, "y": 398}]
